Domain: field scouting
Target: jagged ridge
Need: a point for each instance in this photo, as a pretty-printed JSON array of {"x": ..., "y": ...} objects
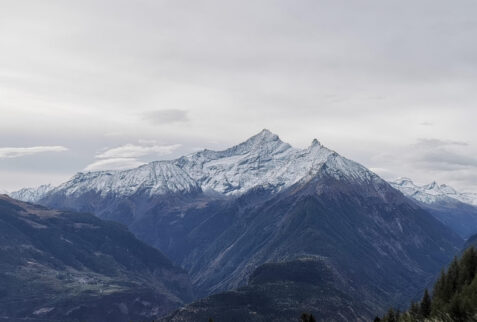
[{"x": 432, "y": 192}]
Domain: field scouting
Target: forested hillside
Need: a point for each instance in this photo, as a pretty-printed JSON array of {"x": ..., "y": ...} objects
[{"x": 454, "y": 296}]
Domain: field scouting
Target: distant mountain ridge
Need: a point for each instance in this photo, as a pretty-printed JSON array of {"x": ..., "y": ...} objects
[
  {"x": 433, "y": 192},
  {"x": 455, "y": 209}
]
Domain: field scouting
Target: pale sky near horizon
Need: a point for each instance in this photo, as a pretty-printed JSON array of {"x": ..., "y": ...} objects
[{"x": 88, "y": 85}]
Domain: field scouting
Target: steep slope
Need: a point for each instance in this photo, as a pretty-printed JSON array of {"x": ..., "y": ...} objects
[
  {"x": 456, "y": 210},
  {"x": 281, "y": 292},
  {"x": 265, "y": 201},
  {"x": 471, "y": 242},
  {"x": 377, "y": 239},
  {"x": 72, "y": 266}
]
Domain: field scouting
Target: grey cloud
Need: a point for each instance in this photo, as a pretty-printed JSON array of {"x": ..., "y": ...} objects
[
  {"x": 435, "y": 143},
  {"x": 134, "y": 151},
  {"x": 426, "y": 123},
  {"x": 127, "y": 156},
  {"x": 448, "y": 160},
  {"x": 166, "y": 116},
  {"x": 443, "y": 155},
  {"x": 429, "y": 159},
  {"x": 16, "y": 152},
  {"x": 114, "y": 164}
]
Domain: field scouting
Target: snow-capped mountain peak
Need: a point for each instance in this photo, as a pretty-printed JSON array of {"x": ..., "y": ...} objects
[
  {"x": 158, "y": 177},
  {"x": 32, "y": 194},
  {"x": 432, "y": 192},
  {"x": 264, "y": 142},
  {"x": 262, "y": 160}
]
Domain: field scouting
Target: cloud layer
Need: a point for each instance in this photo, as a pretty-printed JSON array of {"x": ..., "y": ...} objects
[
  {"x": 14, "y": 152},
  {"x": 129, "y": 155},
  {"x": 166, "y": 116},
  {"x": 135, "y": 151},
  {"x": 114, "y": 164}
]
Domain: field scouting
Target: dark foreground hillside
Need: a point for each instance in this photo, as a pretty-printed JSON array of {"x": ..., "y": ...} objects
[
  {"x": 65, "y": 266},
  {"x": 281, "y": 292}
]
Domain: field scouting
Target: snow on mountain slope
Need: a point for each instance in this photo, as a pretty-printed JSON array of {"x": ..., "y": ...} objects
[
  {"x": 433, "y": 192},
  {"x": 262, "y": 160},
  {"x": 158, "y": 177},
  {"x": 31, "y": 194}
]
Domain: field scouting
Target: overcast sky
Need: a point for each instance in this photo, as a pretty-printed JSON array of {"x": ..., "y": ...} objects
[{"x": 88, "y": 85}]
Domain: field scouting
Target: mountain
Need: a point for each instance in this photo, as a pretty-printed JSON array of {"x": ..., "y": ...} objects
[
  {"x": 433, "y": 192},
  {"x": 69, "y": 266},
  {"x": 222, "y": 214},
  {"x": 281, "y": 292},
  {"x": 455, "y": 209},
  {"x": 31, "y": 194},
  {"x": 262, "y": 160}
]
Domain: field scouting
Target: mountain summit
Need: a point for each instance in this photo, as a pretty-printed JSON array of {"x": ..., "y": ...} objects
[{"x": 262, "y": 160}]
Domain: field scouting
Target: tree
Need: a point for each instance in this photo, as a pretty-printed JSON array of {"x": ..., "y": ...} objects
[
  {"x": 390, "y": 316},
  {"x": 305, "y": 317},
  {"x": 457, "y": 311},
  {"x": 454, "y": 296},
  {"x": 415, "y": 311},
  {"x": 426, "y": 304}
]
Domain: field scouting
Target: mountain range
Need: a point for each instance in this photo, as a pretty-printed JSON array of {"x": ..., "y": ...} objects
[
  {"x": 223, "y": 215},
  {"x": 433, "y": 192},
  {"x": 455, "y": 209}
]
